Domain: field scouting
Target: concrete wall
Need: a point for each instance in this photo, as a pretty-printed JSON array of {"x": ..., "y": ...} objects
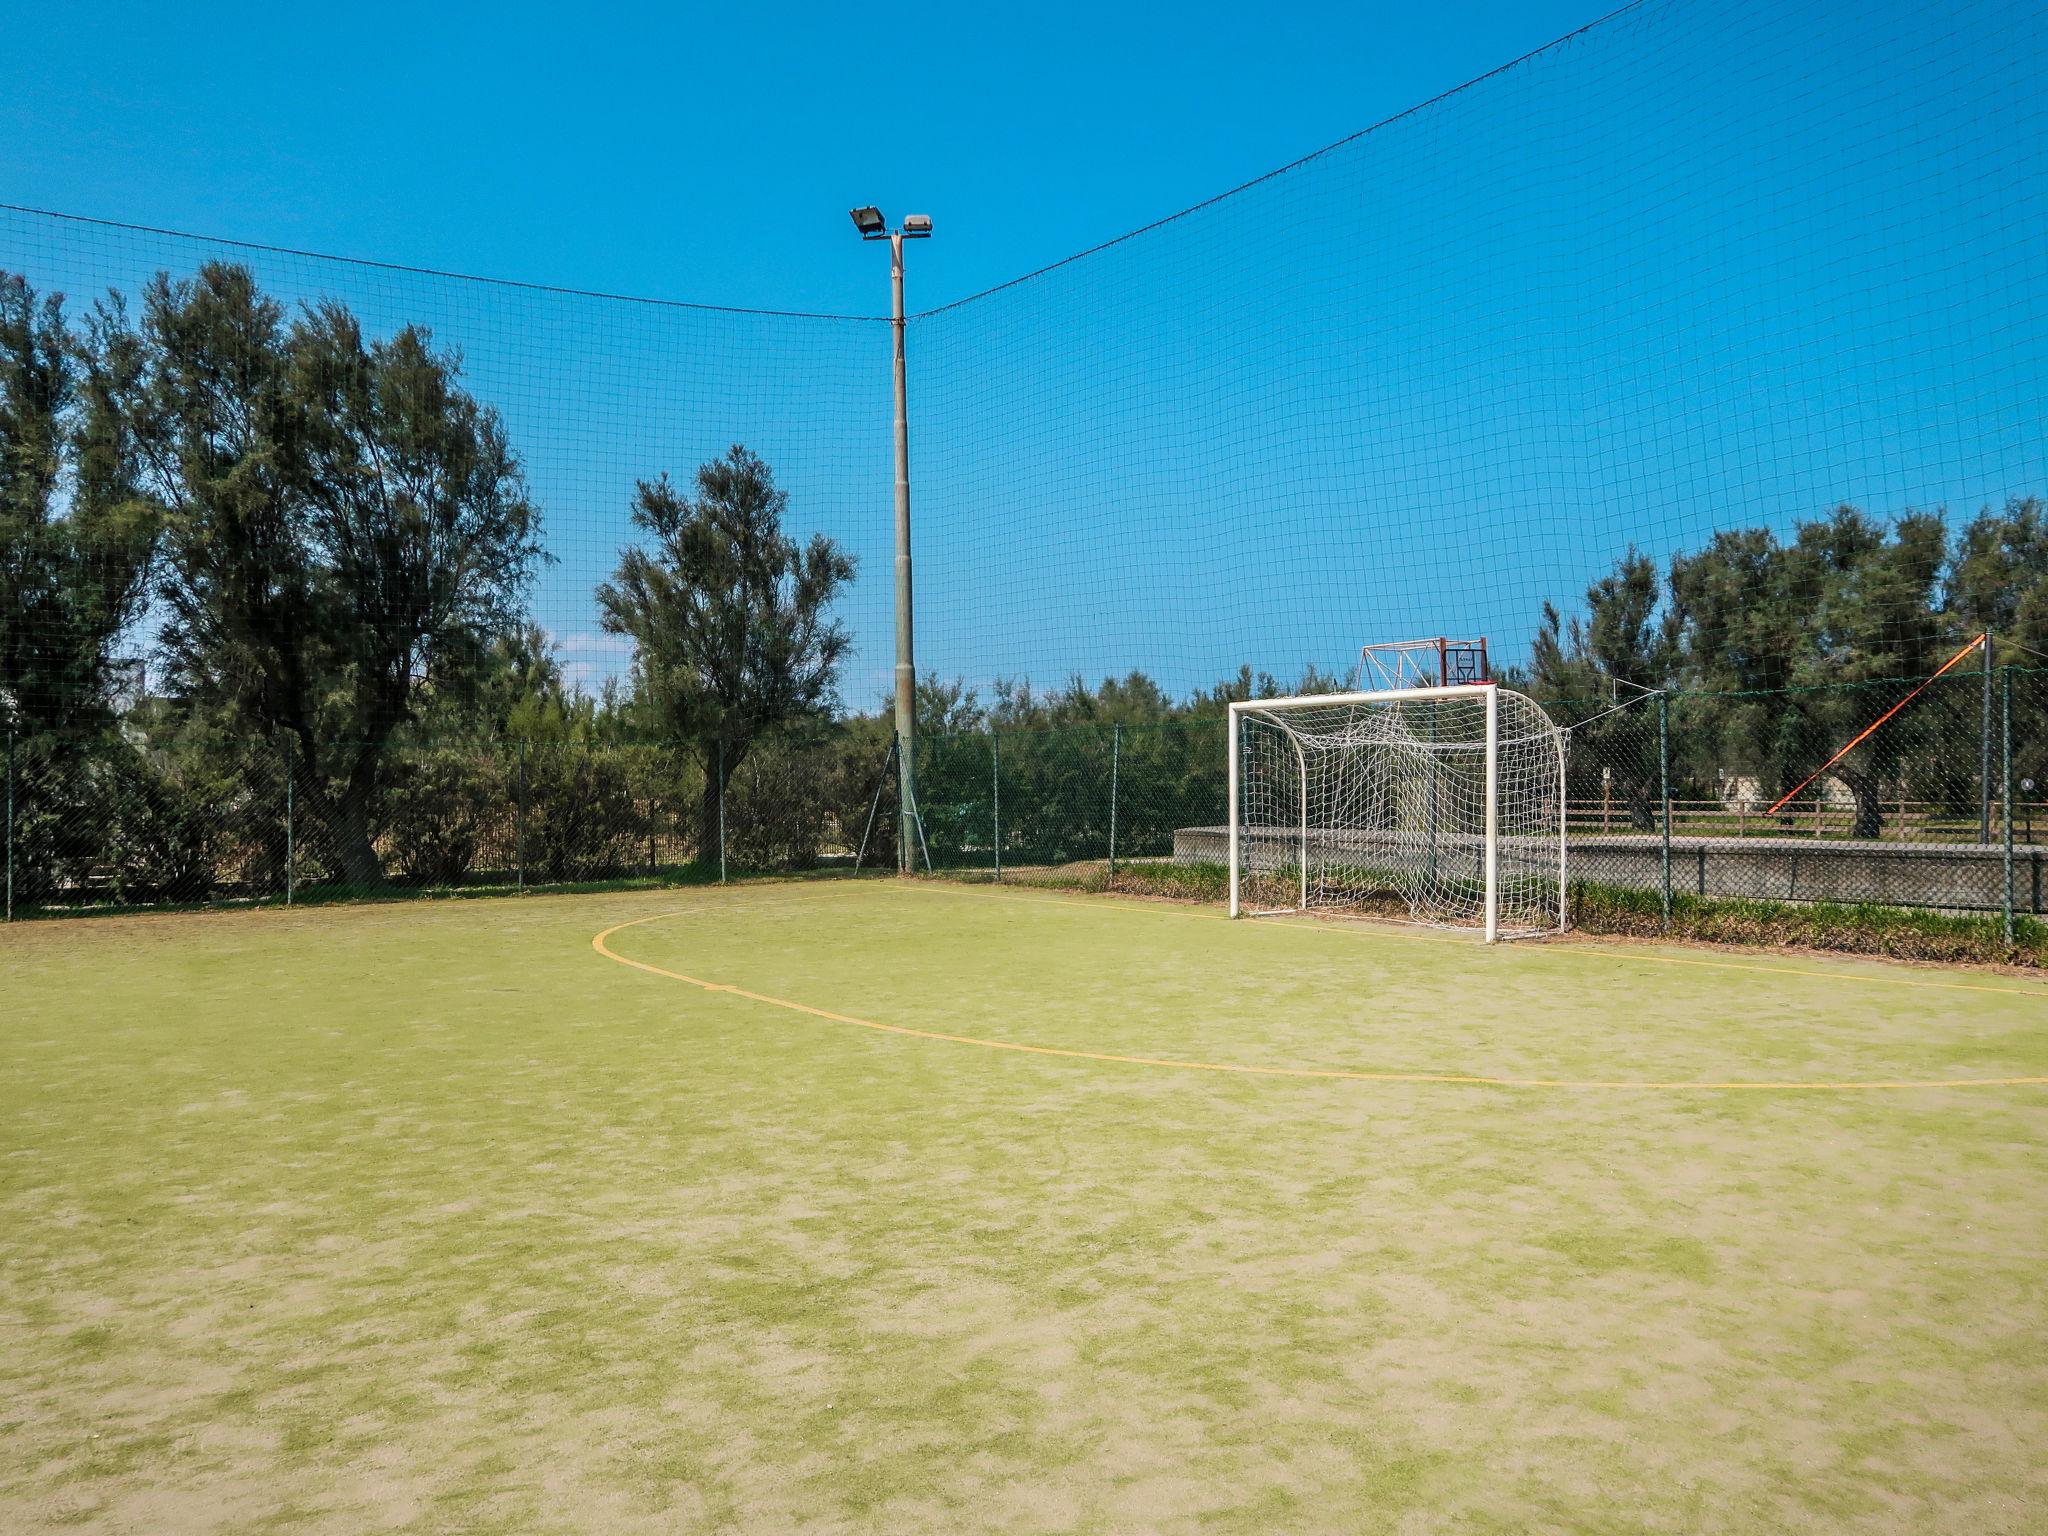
[{"x": 1951, "y": 876}]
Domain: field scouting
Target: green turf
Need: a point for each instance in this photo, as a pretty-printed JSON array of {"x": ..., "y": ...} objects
[{"x": 432, "y": 1218}]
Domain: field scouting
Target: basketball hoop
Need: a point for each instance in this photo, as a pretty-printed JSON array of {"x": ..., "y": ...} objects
[{"x": 1435, "y": 663}]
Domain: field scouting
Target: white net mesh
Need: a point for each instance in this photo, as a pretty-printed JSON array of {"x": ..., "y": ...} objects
[{"x": 1378, "y": 802}]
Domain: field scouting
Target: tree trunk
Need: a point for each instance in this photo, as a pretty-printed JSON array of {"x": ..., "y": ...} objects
[
  {"x": 350, "y": 829},
  {"x": 1869, "y": 808},
  {"x": 720, "y": 763},
  {"x": 707, "y": 816},
  {"x": 344, "y": 818},
  {"x": 1641, "y": 804}
]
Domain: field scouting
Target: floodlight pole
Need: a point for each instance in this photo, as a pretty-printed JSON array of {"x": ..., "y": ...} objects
[
  {"x": 906, "y": 662},
  {"x": 873, "y": 226}
]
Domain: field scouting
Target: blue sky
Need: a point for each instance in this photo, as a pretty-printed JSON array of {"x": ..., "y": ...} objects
[
  {"x": 1709, "y": 265},
  {"x": 702, "y": 152}
]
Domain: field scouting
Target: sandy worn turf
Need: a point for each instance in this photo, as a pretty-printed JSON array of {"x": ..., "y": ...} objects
[{"x": 434, "y": 1218}]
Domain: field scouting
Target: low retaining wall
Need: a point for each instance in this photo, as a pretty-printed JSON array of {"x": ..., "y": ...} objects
[{"x": 1950, "y": 876}]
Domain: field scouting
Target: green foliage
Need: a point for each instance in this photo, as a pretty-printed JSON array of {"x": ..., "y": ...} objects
[
  {"x": 1998, "y": 580},
  {"x": 345, "y": 530},
  {"x": 779, "y": 805},
  {"x": 582, "y": 820},
  {"x": 728, "y": 616},
  {"x": 106, "y": 819},
  {"x": 1786, "y": 650},
  {"x": 1866, "y": 929},
  {"x": 75, "y": 531},
  {"x": 440, "y": 808}
]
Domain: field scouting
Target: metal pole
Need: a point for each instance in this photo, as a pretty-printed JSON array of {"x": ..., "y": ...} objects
[
  {"x": 519, "y": 821},
  {"x": 2005, "y": 722},
  {"x": 1664, "y": 793},
  {"x": 874, "y": 804},
  {"x": 1984, "y": 751},
  {"x": 1564, "y": 846},
  {"x": 291, "y": 827},
  {"x": 1492, "y": 813},
  {"x": 721, "y": 813},
  {"x": 10, "y": 824},
  {"x": 1230, "y": 717},
  {"x": 906, "y": 663},
  {"x": 1116, "y": 744},
  {"x": 995, "y": 777}
]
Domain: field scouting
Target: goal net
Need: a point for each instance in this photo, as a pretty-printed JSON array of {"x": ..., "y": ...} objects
[{"x": 1445, "y": 801}]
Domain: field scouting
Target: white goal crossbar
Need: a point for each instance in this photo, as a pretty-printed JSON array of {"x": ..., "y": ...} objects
[{"x": 1393, "y": 789}]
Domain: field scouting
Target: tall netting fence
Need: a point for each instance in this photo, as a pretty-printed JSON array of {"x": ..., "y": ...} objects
[
  {"x": 1943, "y": 807},
  {"x": 1704, "y": 349},
  {"x": 1724, "y": 796}
]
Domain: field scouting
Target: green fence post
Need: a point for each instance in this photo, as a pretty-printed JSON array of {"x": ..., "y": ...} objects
[
  {"x": 721, "y": 812},
  {"x": 995, "y": 783},
  {"x": 291, "y": 828},
  {"x": 1664, "y": 793},
  {"x": 10, "y": 824},
  {"x": 2005, "y": 724},
  {"x": 519, "y": 820},
  {"x": 1984, "y": 750},
  {"x": 1116, "y": 746}
]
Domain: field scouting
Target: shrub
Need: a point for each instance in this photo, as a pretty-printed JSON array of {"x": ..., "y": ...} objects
[
  {"x": 778, "y": 806},
  {"x": 581, "y": 819},
  {"x": 1901, "y": 933},
  {"x": 438, "y": 809}
]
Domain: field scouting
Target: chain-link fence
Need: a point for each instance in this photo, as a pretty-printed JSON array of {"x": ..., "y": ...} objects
[
  {"x": 139, "y": 817},
  {"x": 1674, "y": 795},
  {"x": 1741, "y": 795}
]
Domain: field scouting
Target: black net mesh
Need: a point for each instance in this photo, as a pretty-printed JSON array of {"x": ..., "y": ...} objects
[{"x": 1589, "y": 358}]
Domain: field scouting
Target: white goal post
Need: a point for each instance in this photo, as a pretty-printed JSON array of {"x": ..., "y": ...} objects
[{"x": 1447, "y": 801}]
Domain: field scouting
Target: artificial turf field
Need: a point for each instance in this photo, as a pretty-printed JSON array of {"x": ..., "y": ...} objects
[{"x": 434, "y": 1217}]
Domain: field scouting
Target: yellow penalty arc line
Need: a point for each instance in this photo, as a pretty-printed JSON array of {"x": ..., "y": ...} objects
[{"x": 1471, "y": 1080}]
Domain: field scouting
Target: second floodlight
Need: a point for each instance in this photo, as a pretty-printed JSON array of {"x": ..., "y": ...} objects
[{"x": 870, "y": 223}]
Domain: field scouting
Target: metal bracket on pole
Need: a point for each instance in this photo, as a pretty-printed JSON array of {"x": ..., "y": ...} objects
[
  {"x": 875, "y": 803},
  {"x": 916, "y": 820}
]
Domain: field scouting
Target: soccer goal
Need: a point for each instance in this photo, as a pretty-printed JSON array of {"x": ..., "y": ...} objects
[{"x": 1446, "y": 800}]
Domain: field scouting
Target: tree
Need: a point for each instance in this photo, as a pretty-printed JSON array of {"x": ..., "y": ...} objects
[
  {"x": 728, "y": 615},
  {"x": 346, "y": 529},
  {"x": 1998, "y": 578},
  {"x": 1849, "y": 601},
  {"x": 1581, "y": 669},
  {"x": 75, "y": 530},
  {"x": 1998, "y": 582}
]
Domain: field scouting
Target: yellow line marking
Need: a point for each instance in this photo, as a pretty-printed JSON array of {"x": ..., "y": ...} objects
[
  {"x": 598, "y": 943},
  {"x": 1366, "y": 928}
]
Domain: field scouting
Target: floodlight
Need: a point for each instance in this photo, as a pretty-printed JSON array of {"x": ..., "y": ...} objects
[
  {"x": 869, "y": 221},
  {"x": 918, "y": 224}
]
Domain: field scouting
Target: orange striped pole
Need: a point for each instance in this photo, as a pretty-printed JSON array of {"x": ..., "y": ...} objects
[{"x": 1865, "y": 734}]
